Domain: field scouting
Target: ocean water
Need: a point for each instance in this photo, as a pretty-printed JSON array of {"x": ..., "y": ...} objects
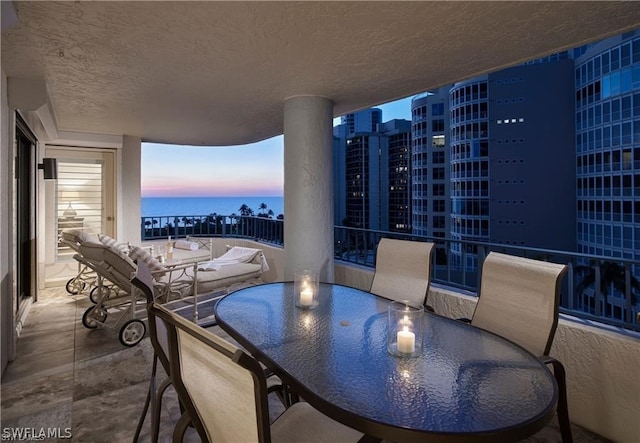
[{"x": 189, "y": 206}]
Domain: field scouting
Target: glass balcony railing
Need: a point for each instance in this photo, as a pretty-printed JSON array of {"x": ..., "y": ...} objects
[{"x": 599, "y": 288}]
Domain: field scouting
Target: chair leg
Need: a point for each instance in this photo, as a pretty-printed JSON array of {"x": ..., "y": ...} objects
[
  {"x": 181, "y": 428},
  {"x": 563, "y": 406},
  {"x": 147, "y": 401},
  {"x": 154, "y": 399},
  {"x": 157, "y": 409}
]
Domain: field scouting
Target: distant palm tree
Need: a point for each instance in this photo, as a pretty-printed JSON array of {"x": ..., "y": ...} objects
[
  {"x": 211, "y": 218},
  {"x": 612, "y": 274},
  {"x": 262, "y": 207},
  {"x": 245, "y": 210}
]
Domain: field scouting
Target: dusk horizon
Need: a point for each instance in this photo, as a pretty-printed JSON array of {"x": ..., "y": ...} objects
[{"x": 255, "y": 169}]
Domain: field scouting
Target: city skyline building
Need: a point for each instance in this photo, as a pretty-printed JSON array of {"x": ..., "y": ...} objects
[
  {"x": 607, "y": 142},
  {"x": 477, "y": 150},
  {"x": 397, "y": 138},
  {"x": 504, "y": 128},
  {"x": 607, "y": 146},
  {"x": 430, "y": 165},
  {"x": 372, "y": 172},
  {"x": 364, "y": 121}
]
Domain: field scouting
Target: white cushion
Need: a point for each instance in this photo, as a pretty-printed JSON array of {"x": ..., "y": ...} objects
[
  {"x": 188, "y": 245},
  {"x": 108, "y": 241},
  {"x": 114, "y": 257},
  {"x": 209, "y": 281},
  {"x": 78, "y": 236},
  {"x": 138, "y": 254}
]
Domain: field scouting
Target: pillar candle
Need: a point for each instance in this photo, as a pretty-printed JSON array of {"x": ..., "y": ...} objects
[
  {"x": 306, "y": 297},
  {"x": 406, "y": 341}
]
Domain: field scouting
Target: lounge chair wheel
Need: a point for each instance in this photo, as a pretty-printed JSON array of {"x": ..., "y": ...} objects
[
  {"x": 94, "y": 295},
  {"x": 108, "y": 292},
  {"x": 74, "y": 287},
  {"x": 91, "y": 320},
  {"x": 132, "y": 332}
]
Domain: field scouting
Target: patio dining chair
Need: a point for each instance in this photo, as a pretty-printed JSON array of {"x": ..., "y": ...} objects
[
  {"x": 519, "y": 300},
  {"x": 143, "y": 280},
  {"x": 403, "y": 270},
  {"x": 224, "y": 392}
]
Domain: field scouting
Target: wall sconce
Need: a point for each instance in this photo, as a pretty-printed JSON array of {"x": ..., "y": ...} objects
[{"x": 50, "y": 167}]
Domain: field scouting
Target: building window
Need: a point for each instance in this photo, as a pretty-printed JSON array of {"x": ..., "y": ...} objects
[
  {"x": 437, "y": 109},
  {"x": 437, "y": 157},
  {"x": 438, "y": 189},
  {"x": 438, "y": 173},
  {"x": 437, "y": 141}
]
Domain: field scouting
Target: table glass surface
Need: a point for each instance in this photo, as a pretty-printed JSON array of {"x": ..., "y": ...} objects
[{"x": 467, "y": 380}]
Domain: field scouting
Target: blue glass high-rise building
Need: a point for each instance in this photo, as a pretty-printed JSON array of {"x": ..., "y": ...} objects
[
  {"x": 607, "y": 96},
  {"x": 507, "y": 142}
]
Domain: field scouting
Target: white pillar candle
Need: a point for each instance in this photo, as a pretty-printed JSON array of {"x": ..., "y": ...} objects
[
  {"x": 306, "y": 297},
  {"x": 406, "y": 341}
]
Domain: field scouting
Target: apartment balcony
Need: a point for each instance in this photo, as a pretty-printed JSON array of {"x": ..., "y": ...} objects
[
  {"x": 601, "y": 360},
  {"x": 598, "y": 337},
  {"x": 96, "y": 79}
]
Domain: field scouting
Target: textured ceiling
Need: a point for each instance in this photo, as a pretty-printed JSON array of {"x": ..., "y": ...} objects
[{"x": 217, "y": 73}]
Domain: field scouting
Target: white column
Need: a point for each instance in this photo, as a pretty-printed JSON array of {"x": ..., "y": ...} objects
[
  {"x": 308, "y": 186},
  {"x": 129, "y": 191}
]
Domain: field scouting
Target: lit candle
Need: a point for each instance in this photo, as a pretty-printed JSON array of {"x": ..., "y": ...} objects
[
  {"x": 405, "y": 322},
  {"x": 306, "y": 296},
  {"x": 406, "y": 341}
]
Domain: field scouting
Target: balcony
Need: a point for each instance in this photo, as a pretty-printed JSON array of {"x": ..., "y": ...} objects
[
  {"x": 103, "y": 76},
  {"x": 598, "y": 337}
]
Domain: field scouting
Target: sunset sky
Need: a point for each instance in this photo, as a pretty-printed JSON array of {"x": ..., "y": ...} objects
[{"x": 256, "y": 169}]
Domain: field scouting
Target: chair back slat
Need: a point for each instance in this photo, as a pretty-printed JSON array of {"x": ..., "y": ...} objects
[
  {"x": 403, "y": 270},
  {"x": 222, "y": 391},
  {"x": 519, "y": 300},
  {"x": 216, "y": 381},
  {"x": 143, "y": 280}
]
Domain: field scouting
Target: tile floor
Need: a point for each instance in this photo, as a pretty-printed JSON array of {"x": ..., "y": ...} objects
[{"x": 67, "y": 377}]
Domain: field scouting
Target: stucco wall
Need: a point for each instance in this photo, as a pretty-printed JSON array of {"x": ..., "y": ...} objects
[{"x": 354, "y": 276}]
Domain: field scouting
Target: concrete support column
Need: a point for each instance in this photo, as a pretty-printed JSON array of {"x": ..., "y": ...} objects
[
  {"x": 129, "y": 191},
  {"x": 308, "y": 186}
]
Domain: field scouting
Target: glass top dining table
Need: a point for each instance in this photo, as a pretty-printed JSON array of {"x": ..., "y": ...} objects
[{"x": 468, "y": 384}]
